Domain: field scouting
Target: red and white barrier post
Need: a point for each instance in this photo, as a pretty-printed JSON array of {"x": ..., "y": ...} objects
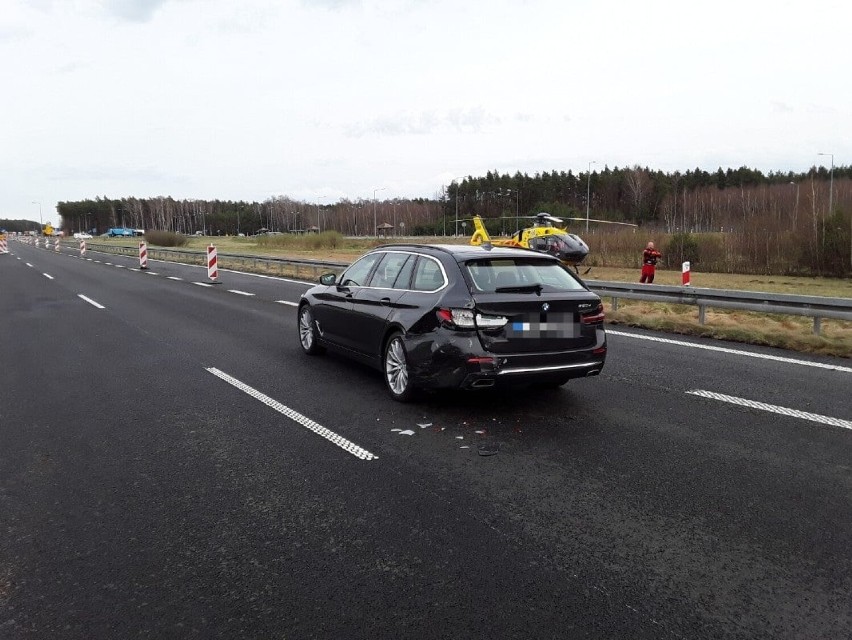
[
  {"x": 82, "y": 248},
  {"x": 56, "y": 245},
  {"x": 212, "y": 265},
  {"x": 143, "y": 255},
  {"x": 685, "y": 274}
]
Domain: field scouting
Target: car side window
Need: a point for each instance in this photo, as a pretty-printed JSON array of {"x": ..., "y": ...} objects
[
  {"x": 388, "y": 270},
  {"x": 427, "y": 275},
  {"x": 359, "y": 272},
  {"x": 403, "y": 280}
]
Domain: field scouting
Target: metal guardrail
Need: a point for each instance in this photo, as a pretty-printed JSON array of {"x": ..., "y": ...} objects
[
  {"x": 291, "y": 267},
  {"x": 816, "y": 307}
]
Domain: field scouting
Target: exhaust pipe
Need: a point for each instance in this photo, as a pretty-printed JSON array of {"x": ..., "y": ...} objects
[
  {"x": 593, "y": 372},
  {"x": 482, "y": 384}
]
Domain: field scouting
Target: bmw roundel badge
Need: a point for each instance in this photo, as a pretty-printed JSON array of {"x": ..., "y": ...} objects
[{"x": 545, "y": 307}]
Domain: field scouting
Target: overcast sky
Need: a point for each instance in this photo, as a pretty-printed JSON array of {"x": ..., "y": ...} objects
[{"x": 320, "y": 100}]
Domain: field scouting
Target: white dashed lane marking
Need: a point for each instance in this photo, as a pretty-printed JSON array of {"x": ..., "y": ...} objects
[
  {"x": 772, "y": 408},
  {"x": 306, "y": 422},
  {"x": 90, "y": 301},
  {"x": 240, "y": 293},
  {"x": 737, "y": 352},
  {"x": 48, "y": 276},
  {"x": 287, "y": 302}
]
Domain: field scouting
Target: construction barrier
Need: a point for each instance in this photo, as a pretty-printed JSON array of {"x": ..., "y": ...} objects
[
  {"x": 143, "y": 255},
  {"x": 82, "y": 248},
  {"x": 212, "y": 264},
  {"x": 4, "y": 248},
  {"x": 56, "y": 245},
  {"x": 685, "y": 274}
]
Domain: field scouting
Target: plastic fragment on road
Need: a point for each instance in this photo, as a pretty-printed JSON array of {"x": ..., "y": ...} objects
[
  {"x": 396, "y": 430},
  {"x": 407, "y": 432},
  {"x": 480, "y": 431},
  {"x": 488, "y": 449},
  {"x": 459, "y": 437},
  {"x": 464, "y": 446},
  {"x": 423, "y": 425}
]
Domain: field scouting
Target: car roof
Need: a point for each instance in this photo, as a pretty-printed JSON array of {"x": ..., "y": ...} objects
[{"x": 462, "y": 252}]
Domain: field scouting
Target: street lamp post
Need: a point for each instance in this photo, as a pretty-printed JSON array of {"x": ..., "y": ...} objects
[
  {"x": 375, "y": 222},
  {"x": 588, "y": 192},
  {"x": 830, "y": 183},
  {"x": 40, "y": 219},
  {"x": 319, "y": 225},
  {"x": 457, "y": 202}
]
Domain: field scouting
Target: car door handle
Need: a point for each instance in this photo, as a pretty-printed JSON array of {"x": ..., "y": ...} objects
[{"x": 385, "y": 302}]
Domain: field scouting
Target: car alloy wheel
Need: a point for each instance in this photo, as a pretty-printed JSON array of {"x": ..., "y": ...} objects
[
  {"x": 396, "y": 370},
  {"x": 307, "y": 331}
]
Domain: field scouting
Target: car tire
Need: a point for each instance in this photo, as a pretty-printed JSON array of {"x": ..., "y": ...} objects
[
  {"x": 395, "y": 370},
  {"x": 308, "y": 336}
]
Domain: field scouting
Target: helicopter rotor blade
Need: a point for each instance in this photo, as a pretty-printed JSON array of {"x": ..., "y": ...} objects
[{"x": 626, "y": 224}]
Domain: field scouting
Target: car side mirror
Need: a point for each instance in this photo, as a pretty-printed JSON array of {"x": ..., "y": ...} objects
[{"x": 328, "y": 279}]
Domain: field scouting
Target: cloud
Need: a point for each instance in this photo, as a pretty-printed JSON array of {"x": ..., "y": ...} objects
[
  {"x": 133, "y": 10},
  {"x": 424, "y": 123}
]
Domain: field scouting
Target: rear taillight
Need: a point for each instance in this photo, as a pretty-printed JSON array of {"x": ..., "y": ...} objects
[
  {"x": 467, "y": 319},
  {"x": 596, "y": 316}
]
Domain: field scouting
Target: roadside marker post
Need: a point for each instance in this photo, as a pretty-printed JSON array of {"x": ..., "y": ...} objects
[
  {"x": 212, "y": 265},
  {"x": 143, "y": 255},
  {"x": 685, "y": 274},
  {"x": 56, "y": 245},
  {"x": 4, "y": 248},
  {"x": 82, "y": 248}
]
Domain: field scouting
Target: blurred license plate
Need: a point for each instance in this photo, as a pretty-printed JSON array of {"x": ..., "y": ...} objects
[{"x": 543, "y": 330}]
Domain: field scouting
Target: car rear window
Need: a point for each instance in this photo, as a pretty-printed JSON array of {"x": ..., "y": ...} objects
[{"x": 489, "y": 275}]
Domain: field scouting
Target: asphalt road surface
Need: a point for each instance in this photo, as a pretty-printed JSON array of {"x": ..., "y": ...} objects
[{"x": 172, "y": 466}]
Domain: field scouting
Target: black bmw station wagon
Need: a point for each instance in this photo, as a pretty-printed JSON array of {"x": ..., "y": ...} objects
[{"x": 457, "y": 317}]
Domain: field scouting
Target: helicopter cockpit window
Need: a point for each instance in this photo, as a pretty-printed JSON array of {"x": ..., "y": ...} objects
[
  {"x": 555, "y": 244},
  {"x": 539, "y": 244},
  {"x": 487, "y": 276}
]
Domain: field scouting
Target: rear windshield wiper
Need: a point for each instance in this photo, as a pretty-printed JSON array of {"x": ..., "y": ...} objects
[{"x": 529, "y": 288}]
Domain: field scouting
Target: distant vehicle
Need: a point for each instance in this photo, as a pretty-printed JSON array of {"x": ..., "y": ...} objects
[
  {"x": 120, "y": 232},
  {"x": 449, "y": 316},
  {"x": 82, "y": 236}
]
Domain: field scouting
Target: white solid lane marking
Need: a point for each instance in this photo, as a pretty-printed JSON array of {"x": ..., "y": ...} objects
[
  {"x": 48, "y": 276},
  {"x": 737, "y": 352},
  {"x": 151, "y": 273},
  {"x": 306, "y": 422},
  {"x": 203, "y": 284},
  {"x": 240, "y": 293},
  {"x": 287, "y": 302},
  {"x": 772, "y": 408},
  {"x": 174, "y": 278},
  {"x": 90, "y": 301}
]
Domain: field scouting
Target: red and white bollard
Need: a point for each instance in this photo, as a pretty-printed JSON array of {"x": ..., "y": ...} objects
[
  {"x": 212, "y": 264},
  {"x": 685, "y": 274},
  {"x": 56, "y": 245},
  {"x": 143, "y": 255},
  {"x": 82, "y": 248},
  {"x": 4, "y": 248}
]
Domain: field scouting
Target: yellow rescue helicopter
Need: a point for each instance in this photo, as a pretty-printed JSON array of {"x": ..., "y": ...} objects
[{"x": 544, "y": 236}]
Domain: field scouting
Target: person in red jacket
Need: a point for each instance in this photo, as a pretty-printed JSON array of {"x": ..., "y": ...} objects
[{"x": 649, "y": 263}]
